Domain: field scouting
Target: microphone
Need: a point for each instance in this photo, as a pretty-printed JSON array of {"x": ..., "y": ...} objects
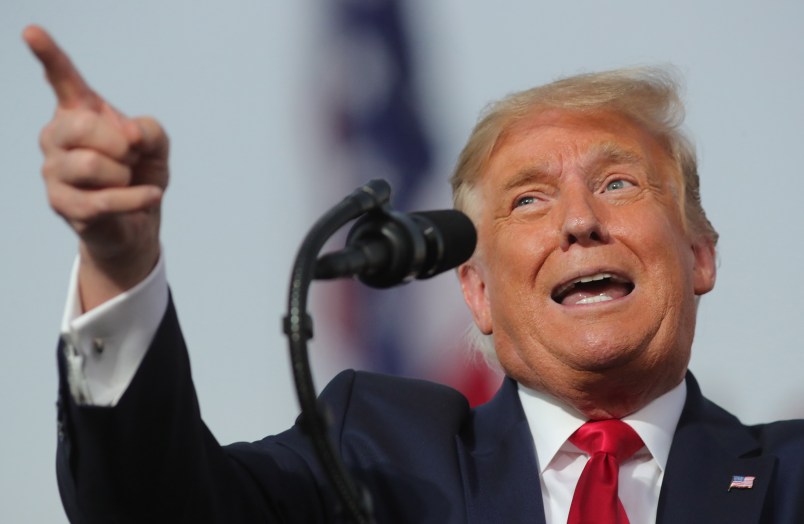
[{"x": 387, "y": 248}]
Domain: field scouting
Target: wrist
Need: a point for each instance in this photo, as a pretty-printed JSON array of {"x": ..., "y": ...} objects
[{"x": 103, "y": 278}]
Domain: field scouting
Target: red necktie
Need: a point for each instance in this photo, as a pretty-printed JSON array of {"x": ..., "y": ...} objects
[{"x": 608, "y": 442}]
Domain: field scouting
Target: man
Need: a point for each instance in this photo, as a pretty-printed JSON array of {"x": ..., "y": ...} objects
[{"x": 592, "y": 252}]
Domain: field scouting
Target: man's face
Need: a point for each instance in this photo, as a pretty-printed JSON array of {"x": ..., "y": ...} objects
[{"x": 583, "y": 266}]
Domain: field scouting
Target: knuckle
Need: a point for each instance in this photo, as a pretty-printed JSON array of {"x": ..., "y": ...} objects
[
  {"x": 57, "y": 201},
  {"x": 73, "y": 206},
  {"x": 51, "y": 167},
  {"x": 85, "y": 208},
  {"x": 83, "y": 123},
  {"x": 87, "y": 165},
  {"x": 53, "y": 200},
  {"x": 99, "y": 204},
  {"x": 46, "y": 136}
]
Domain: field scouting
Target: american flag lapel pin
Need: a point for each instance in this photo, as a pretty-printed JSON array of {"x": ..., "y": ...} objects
[{"x": 741, "y": 482}]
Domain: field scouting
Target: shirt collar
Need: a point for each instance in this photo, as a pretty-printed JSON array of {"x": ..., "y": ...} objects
[{"x": 551, "y": 423}]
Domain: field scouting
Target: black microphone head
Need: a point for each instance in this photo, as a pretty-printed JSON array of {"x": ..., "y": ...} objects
[
  {"x": 451, "y": 239},
  {"x": 386, "y": 248}
]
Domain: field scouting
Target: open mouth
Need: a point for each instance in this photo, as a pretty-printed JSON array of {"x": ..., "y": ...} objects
[{"x": 591, "y": 289}]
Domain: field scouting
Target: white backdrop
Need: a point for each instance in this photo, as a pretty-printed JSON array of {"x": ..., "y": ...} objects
[{"x": 235, "y": 83}]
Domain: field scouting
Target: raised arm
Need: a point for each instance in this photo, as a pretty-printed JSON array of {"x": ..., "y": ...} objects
[{"x": 105, "y": 175}]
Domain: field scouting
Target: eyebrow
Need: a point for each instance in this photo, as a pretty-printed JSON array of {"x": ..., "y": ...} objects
[
  {"x": 602, "y": 154},
  {"x": 607, "y": 153},
  {"x": 527, "y": 175}
]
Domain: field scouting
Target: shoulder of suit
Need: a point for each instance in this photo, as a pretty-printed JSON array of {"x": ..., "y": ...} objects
[
  {"x": 374, "y": 396},
  {"x": 783, "y": 435}
]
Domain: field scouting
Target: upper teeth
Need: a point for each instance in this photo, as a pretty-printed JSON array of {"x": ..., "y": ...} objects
[
  {"x": 592, "y": 278},
  {"x": 589, "y": 278}
]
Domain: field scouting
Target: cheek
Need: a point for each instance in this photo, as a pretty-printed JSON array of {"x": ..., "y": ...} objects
[
  {"x": 669, "y": 260},
  {"x": 657, "y": 235},
  {"x": 519, "y": 248},
  {"x": 514, "y": 257},
  {"x": 675, "y": 255}
]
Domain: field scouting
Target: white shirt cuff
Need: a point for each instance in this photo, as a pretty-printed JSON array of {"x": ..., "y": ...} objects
[{"x": 105, "y": 346}]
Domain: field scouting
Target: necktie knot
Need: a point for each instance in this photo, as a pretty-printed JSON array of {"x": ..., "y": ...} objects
[
  {"x": 613, "y": 437},
  {"x": 609, "y": 443}
]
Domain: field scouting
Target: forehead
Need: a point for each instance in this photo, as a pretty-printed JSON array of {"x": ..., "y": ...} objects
[{"x": 553, "y": 137}]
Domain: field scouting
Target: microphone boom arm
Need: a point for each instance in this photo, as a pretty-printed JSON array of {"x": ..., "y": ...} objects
[
  {"x": 384, "y": 248},
  {"x": 298, "y": 326}
]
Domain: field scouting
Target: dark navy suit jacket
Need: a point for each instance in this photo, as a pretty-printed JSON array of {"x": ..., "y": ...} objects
[{"x": 425, "y": 456}]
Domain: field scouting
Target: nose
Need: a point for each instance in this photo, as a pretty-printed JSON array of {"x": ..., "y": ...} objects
[{"x": 581, "y": 218}]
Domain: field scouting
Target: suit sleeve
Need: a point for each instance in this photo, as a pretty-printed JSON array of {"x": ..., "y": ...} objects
[{"x": 150, "y": 458}]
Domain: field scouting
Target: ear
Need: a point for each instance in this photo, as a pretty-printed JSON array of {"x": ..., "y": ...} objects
[
  {"x": 475, "y": 295},
  {"x": 705, "y": 269}
]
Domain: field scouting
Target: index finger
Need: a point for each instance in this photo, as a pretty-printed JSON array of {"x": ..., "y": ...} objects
[{"x": 68, "y": 84}]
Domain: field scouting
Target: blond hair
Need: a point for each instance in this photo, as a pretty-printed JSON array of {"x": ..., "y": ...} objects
[{"x": 648, "y": 96}]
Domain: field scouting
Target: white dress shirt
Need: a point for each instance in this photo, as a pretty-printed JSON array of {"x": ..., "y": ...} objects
[{"x": 560, "y": 462}]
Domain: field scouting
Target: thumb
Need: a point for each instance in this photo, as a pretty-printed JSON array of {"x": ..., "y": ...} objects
[
  {"x": 147, "y": 137},
  {"x": 149, "y": 146}
]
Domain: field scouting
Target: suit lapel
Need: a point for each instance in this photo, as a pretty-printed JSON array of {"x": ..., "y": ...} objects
[
  {"x": 498, "y": 463},
  {"x": 710, "y": 446}
]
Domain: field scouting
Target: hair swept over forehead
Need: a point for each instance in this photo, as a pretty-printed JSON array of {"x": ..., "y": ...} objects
[{"x": 650, "y": 96}]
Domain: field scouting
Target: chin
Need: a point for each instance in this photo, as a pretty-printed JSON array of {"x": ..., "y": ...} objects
[{"x": 602, "y": 350}]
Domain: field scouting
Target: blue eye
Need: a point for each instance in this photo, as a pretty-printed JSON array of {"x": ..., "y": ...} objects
[
  {"x": 524, "y": 201},
  {"x": 619, "y": 183}
]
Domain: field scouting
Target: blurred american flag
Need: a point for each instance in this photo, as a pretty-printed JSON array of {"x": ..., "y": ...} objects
[{"x": 373, "y": 118}]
